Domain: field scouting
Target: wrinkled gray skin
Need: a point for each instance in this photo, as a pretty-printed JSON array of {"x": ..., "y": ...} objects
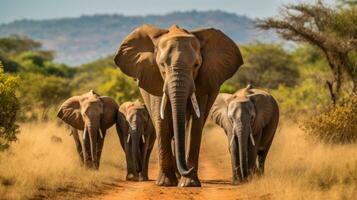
[
  {"x": 179, "y": 73},
  {"x": 139, "y": 138},
  {"x": 245, "y": 113},
  {"x": 92, "y": 114}
]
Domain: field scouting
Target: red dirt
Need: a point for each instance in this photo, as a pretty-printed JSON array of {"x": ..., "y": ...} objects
[{"x": 214, "y": 173}]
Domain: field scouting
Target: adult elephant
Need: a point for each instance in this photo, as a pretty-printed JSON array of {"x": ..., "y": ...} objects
[
  {"x": 93, "y": 114},
  {"x": 176, "y": 65}
]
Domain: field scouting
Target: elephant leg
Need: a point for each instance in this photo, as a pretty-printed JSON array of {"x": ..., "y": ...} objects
[
  {"x": 262, "y": 154},
  {"x": 130, "y": 168},
  {"x": 164, "y": 133},
  {"x": 77, "y": 142},
  {"x": 100, "y": 142},
  {"x": 266, "y": 141},
  {"x": 252, "y": 154},
  {"x": 252, "y": 159},
  {"x": 167, "y": 176},
  {"x": 144, "y": 176}
]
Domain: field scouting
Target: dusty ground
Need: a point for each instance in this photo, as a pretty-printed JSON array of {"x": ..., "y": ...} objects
[
  {"x": 214, "y": 172},
  {"x": 39, "y": 167}
]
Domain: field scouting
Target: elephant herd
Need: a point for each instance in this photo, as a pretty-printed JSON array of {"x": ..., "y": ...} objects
[{"x": 179, "y": 74}]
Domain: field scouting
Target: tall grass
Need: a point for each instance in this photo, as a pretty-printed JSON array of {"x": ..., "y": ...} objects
[
  {"x": 296, "y": 168},
  {"x": 40, "y": 162},
  {"x": 299, "y": 169}
]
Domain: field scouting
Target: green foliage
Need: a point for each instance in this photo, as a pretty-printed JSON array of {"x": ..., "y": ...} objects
[
  {"x": 119, "y": 86},
  {"x": 103, "y": 77},
  {"x": 302, "y": 99},
  {"x": 309, "y": 93},
  {"x": 17, "y": 44},
  {"x": 9, "y": 106},
  {"x": 265, "y": 66},
  {"x": 42, "y": 62},
  {"x": 337, "y": 124},
  {"x": 39, "y": 93}
]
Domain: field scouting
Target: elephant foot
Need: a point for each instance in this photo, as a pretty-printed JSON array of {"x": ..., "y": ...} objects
[
  {"x": 236, "y": 182},
  {"x": 166, "y": 179},
  {"x": 143, "y": 177},
  {"x": 189, "y": 182},
  {"x": 131, "y": 177}
]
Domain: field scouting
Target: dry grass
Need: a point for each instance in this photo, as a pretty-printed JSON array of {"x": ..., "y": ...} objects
[
  {"x": 38, "y": 165},
  {"x": 295, "y": 167},
  {"x": 299, "y": 169}
]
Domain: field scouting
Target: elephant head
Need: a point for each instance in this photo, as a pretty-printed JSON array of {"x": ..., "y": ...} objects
[
  {"x": 178, "y": 65},
  {"x": 138, "y": 121},
  {"x": 237, "y": 114},
  {"x": 85, "y": 113}
]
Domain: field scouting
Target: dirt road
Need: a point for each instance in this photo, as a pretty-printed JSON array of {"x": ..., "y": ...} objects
[{"x": 214, "y": 172}]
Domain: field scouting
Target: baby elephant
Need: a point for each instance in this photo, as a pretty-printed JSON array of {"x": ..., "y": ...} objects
[
  {"x": 93, "y": 114},
  {"x": 139, "y": 134},
  {"x": 249, "y": 118}
]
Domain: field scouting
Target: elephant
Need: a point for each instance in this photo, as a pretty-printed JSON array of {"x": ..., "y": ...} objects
[
  {"x": 93, "y": 114},
  {"x": 179, "y": 74},
  {"x": 140, "y": 136},
  {"x": 249, "y": 118}
]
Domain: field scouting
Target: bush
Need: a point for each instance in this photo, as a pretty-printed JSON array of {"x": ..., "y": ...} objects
[
  {"x": 337, "y": 124},
  {"x": 39, "y": 94},
  {"x": 9, "y": 106}
]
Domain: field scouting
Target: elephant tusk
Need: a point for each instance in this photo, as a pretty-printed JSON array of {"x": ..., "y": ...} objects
[
  {"x": 195, "y": 105},
  {"x": 100, "y": 133},
  {"x": 163, "y": 105},
  {"x": 84, "y": 133},
  {"x": 127, "y": 140},
  {"x": 252, "y": 139},
  {"x": 231, "y": 142},
  {"x": 143, "y": 138}
]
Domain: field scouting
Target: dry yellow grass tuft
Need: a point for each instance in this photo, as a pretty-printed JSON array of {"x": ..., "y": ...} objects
[
  {"x": 44, "y": 159},
  {"x": 299, "y": 169}
]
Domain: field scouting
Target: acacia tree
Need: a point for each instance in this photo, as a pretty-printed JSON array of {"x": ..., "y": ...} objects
[{"x": 331, "y": 30}]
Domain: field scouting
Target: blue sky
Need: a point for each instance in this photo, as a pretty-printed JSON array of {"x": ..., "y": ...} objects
[{"x": 11, "y": 10}]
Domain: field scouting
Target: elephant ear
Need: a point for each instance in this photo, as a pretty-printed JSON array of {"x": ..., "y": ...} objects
[
  {"x": 121, "y": 124},
  {"x": 219, "y": 111},
  {"x": 70, "y": 113},
  {"x": 136, "y": 58},
  {"x": 221, "y": 58},
  {"x": 263, "y": 106}
]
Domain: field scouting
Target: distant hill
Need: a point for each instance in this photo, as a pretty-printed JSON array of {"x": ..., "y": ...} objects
[{"x": 83, "y": 39}]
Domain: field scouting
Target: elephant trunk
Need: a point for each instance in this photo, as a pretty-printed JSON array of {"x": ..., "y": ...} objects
[
  {"x": 233, "y": 147},
  {"x": 178, "y": 93},
  {"x": 93, "y": 131},
  {"x": 242, "y": 136}
]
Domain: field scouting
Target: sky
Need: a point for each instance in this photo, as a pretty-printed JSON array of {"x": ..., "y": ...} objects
[{"x": 11, "y": 10}]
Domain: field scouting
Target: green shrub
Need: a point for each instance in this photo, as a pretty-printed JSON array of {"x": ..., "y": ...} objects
[
  {"x": 9, "y": 106},
  {"x": 39, "y": 94},
  {"x": 337, "y": 124}
]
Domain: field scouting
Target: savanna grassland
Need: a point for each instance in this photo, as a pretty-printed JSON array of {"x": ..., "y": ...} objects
[
  {"x": 313, "y": 155},
  {"x": 44, "y": 163},
  {"x": 40, "y": 167}
]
